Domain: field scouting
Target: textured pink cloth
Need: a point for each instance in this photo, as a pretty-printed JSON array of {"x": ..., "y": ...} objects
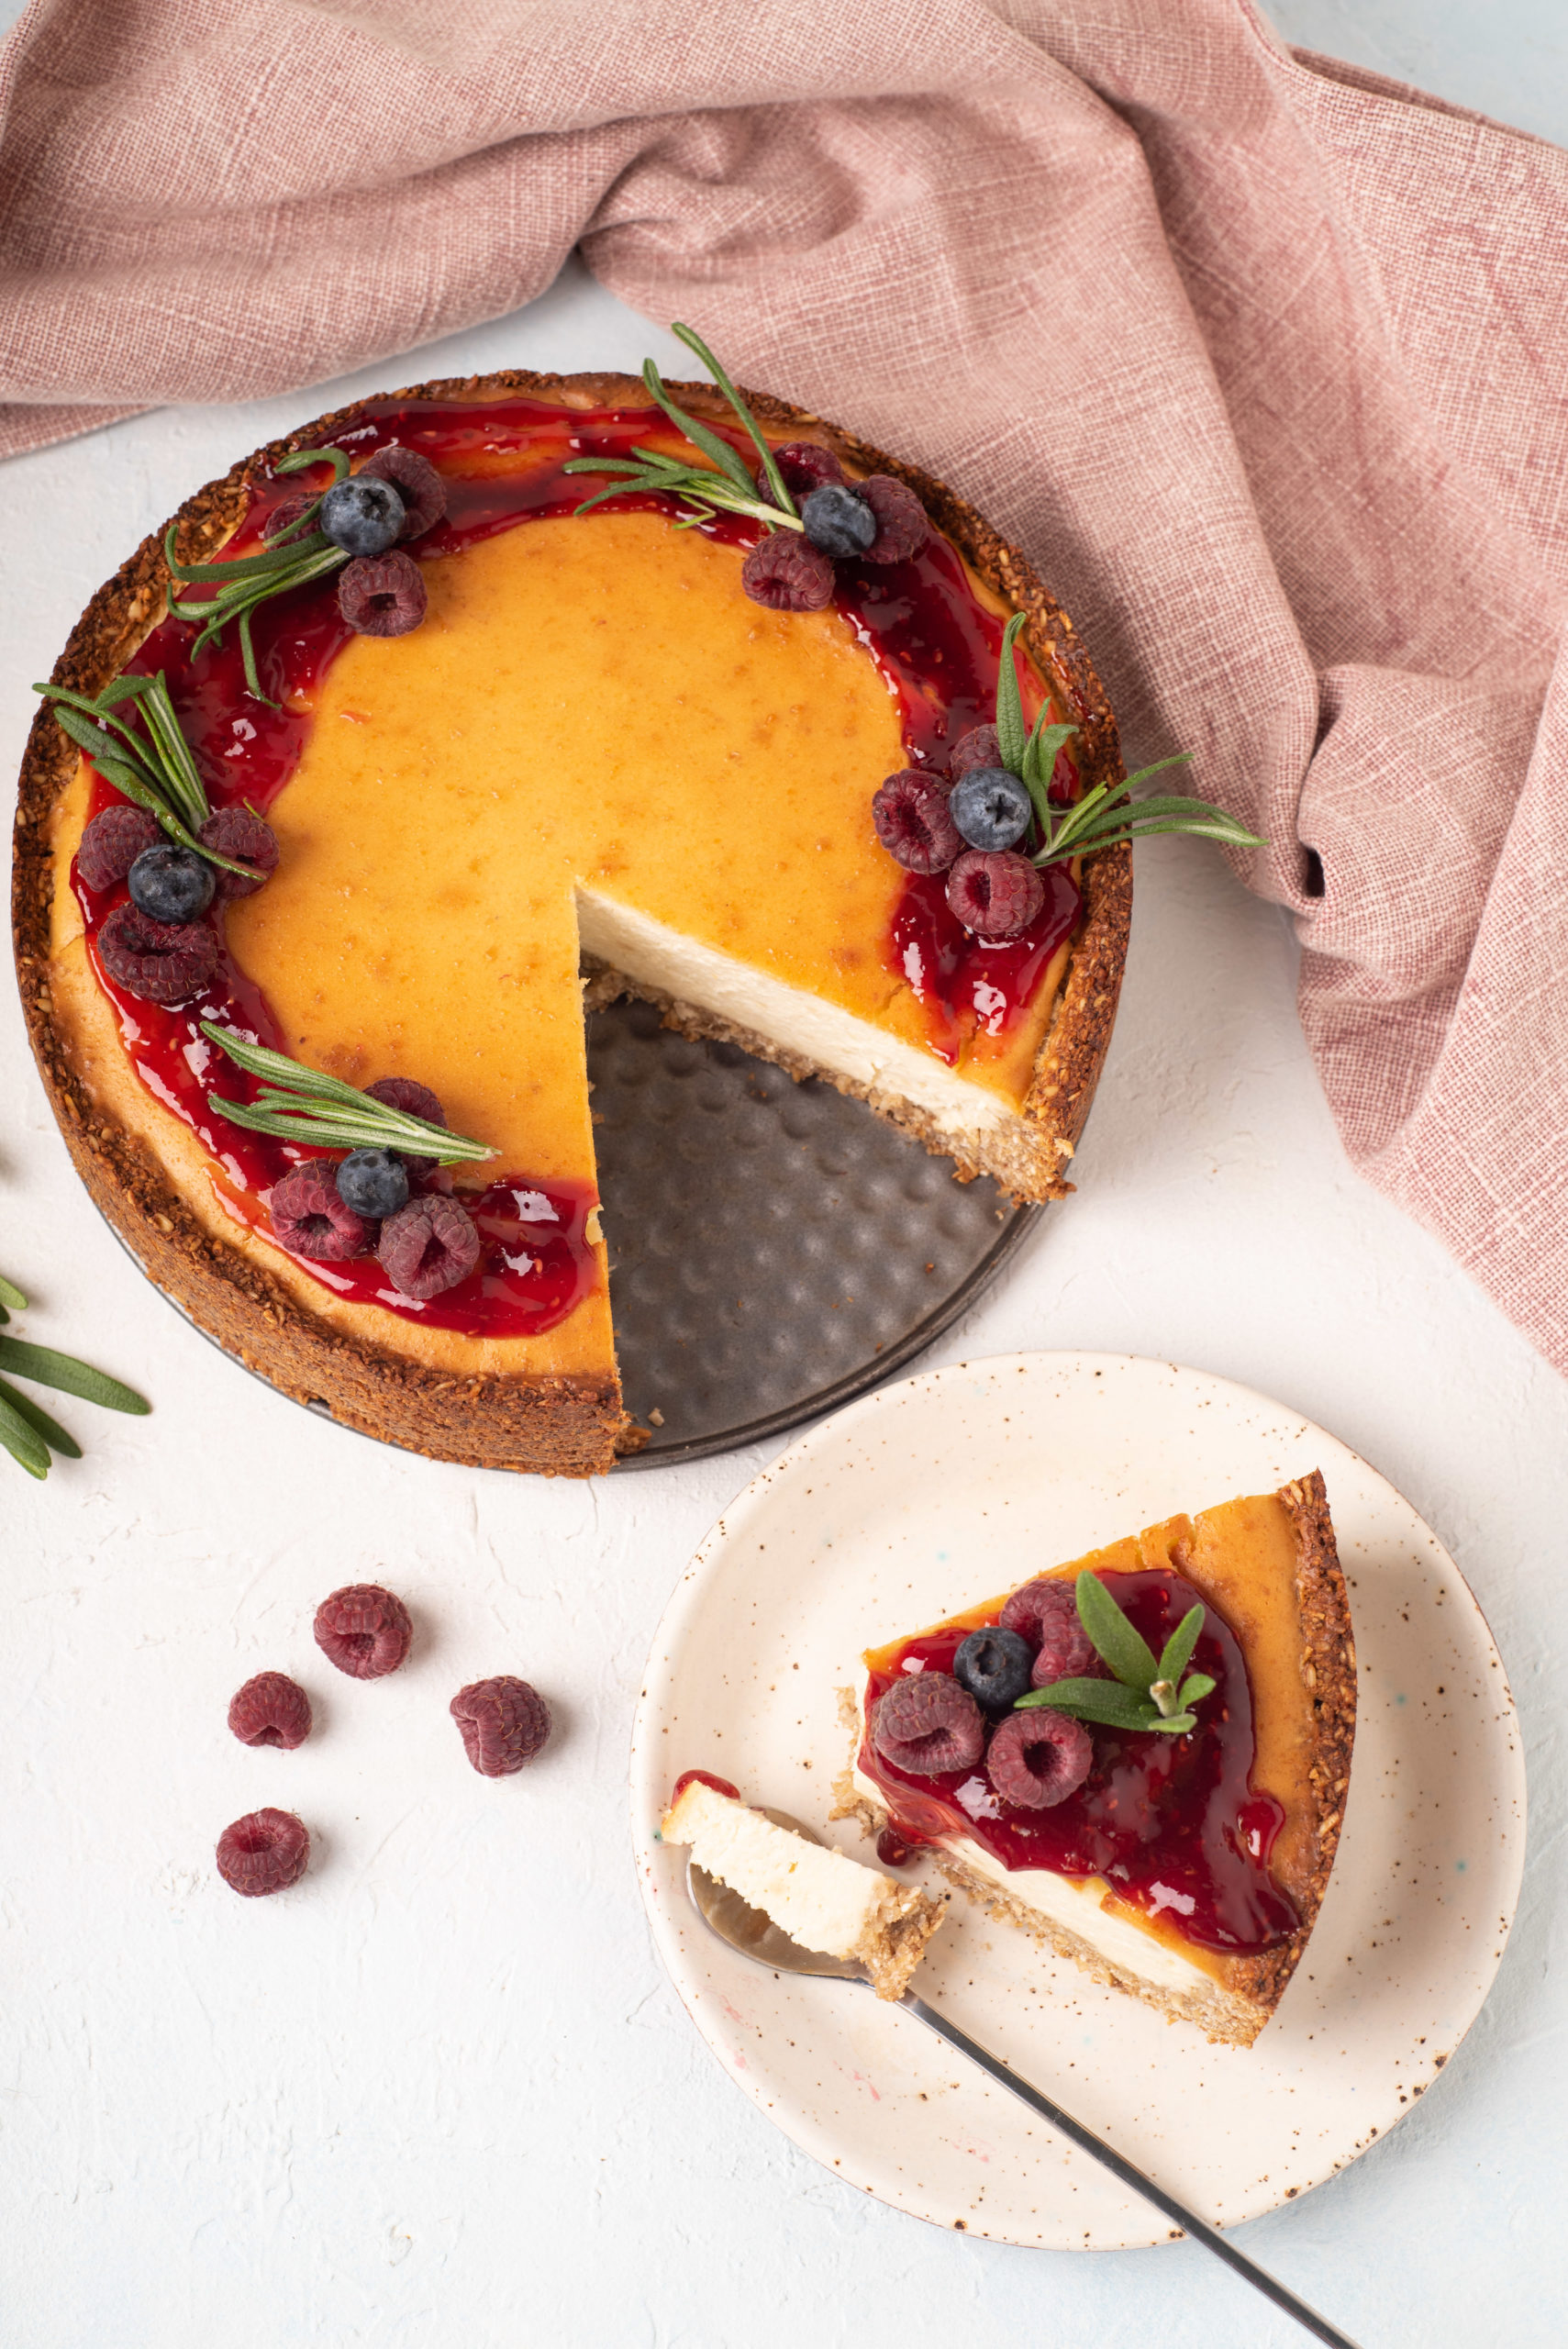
[{"x": 1262, "y": 359}]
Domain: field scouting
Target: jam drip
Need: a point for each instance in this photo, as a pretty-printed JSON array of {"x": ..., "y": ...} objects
[
  {"x": 1172, "y": 1823},
  {"x": 934, "y": 643}
]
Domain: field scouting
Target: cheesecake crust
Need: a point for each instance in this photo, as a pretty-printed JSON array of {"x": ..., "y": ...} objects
[{"x": 561, "y": 1423}]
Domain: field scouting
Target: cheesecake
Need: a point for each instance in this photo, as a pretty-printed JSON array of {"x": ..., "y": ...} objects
[
  {"x": 597, "y": 764},
  {"x": 819, "y": 1897},
  {"x": 1177, "y": 1845}
]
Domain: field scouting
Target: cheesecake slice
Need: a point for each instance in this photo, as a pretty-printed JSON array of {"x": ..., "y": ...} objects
[
  {"x": 817, "y": 1895},
  {"x": 1187, "y": 1866}
]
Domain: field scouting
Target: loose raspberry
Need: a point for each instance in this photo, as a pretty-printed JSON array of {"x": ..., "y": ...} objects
[
  {"x": 788, "y": 574},
  {"x": 981, "y": 747},
  {"x": 927, "y": 1724},
  {"x": 382, "y": 595},
  {"x": 429, "y": 1246},
  {"x": 995, "y": 893},
  {"x": 288, "y": 511},
  {"x": 914, "y": 822},
  {"x": 234, "y": 831},
  {"x": 112, "y": 843},
  {"x": 805, "y": 466},
  {"x": 902, "y": 524},
  {"x": 310, "y": 1219},
  {"x": 265, "y": 1852},
  {"x": 1046, "y": 1613},
  {"x": 364, "y": 1630},
  {"x": 423, "y": 491},
  {"x": 503, "y": 1723},
  {"x": 166, "y": 961},
  {"x": 1039, "y": 1757},
  {"x": 415, "y": 1101},
  {"x": 272, "y": 1710}
]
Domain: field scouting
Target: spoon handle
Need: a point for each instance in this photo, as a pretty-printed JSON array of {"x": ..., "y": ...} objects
[{"x": 1087, "y": 2141}]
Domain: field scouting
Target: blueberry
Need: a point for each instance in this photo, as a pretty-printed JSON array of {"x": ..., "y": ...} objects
[
  {"x": 374, "y": 1183},
  {"x": 170, "y": 883},
  {"x": 363, "y": 515},
  {"x": 991, "y": 807},
  {"x": 994, "y": 1666},
  {"x": 837, "y": 522}
]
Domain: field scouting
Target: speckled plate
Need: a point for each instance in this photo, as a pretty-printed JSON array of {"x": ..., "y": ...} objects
[{"x": 915, "y": 1502}]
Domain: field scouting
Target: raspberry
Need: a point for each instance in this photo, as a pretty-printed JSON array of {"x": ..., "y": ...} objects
[
  {"x": 429, "y": 1246},
  {"x": 272, "y": 1710},
  {"x": 382, "y": 595},
  {"x": 423, "y": 491},
  {"x": 288, "y": 511},
  {"x": 1046, "y": 1613},
  {"x": 310, "y": 1219},
  {"x": 265, "y": 1852},
  {"x": 1039, "y": 1757},
  {"x": 788, "y": 574},
  {"x": 503, "y": 1723},
  {"x": 415, "y": 1101},
  {"x": 981, "y": 747},
  {"x": 995, "y": 893},
  {"x": 892, "y": 1850},
  {"x": 902, "y": 527},
  {"x": 805, "y": 466},
  {"x": 913, "y": 821},
  {"x": 112, "y": 843},
  {"x": 927, "y": 1724},
  {"x": 163, "y": 961},
  {"x": 234, "y": 831},
  {"x": 364, "y": 1630}
]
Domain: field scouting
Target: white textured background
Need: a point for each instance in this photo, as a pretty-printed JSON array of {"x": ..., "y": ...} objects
[{"x": 441, "y": 2094}]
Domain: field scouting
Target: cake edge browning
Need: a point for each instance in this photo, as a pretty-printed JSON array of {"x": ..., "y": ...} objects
[{"x": 529, "y": 1423}]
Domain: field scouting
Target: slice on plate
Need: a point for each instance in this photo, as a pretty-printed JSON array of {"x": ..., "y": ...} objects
[
  {"x": 1145, "y": 1768},
  {"x": 817, "y": 1897}
]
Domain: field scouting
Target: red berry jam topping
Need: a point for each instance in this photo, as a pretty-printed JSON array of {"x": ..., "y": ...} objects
[
  {"x": 503, "y": 1723},
  {"x": 271, "y": 1710},
  {"x": 265, "y": 1852},
  {"x": 892, "y": 1851},
  {"x": 1172, "y": 1823},
  {"x": 702, "y": 1778},
  {"x": 364, "y": 1630}
]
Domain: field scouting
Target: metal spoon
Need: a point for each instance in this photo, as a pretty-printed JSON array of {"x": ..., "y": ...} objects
[{"x": 754, "y": 1935}]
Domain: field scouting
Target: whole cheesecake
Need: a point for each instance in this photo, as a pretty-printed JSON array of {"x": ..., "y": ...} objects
[{"x": 597, "y": 765}]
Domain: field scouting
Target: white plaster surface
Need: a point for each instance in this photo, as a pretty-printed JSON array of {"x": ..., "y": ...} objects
[{"x": 441, "y": 2093}]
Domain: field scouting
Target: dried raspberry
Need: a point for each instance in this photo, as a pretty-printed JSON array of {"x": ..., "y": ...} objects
[
  {"x": 415, "y": 1101},
  {"x": 981, "y": 747},
  {"x": 913, "y": 821},
  {"x": 503, "y": 1722},
  {"x": 382, "y": 595},
  {"x": 1046, "y": 1613},
  {"x": 164, "y": 961},
  {"x": 288, "y": 511},
  {"x": 788, "y": 574},
  {"x": 1039, "y": 1757},
  {"x": 805, "y": 465},
  {"x": 995, "y": 893},
  {"x": 310, "y": 1219},
  {"x": 928, "y": 1723},
  {"x": 429, "y": 1245},
  {"x": 234, "y": 831},
  {"x": 112, "y": 843},
  {"x": 892, "y": 1850},
  {"x": 272, "y": 1710},
  {"x": 902, "y": 525},
  {"x": 364, "y": 1630},
  {"x": 265, "y": 1852},
  {"x": 423, "y": 491}
]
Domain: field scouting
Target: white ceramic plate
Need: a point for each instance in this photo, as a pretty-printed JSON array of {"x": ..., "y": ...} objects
[{"x": 915, "y": 1502}]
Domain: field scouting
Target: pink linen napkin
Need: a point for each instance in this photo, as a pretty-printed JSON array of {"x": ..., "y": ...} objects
[{"x": 1264, "y": 361}]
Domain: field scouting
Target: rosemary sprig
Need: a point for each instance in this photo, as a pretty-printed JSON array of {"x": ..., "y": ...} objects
[
  {"x": 27, "y": 1430},
  {"x": 1108, "y": 813},
  {"x": 155, "y": 770},
  {"x": 248, "y": 580},
  {"x": 306, "y": 1105},
  {"x": 1145, "y": 1694},
  {"x": 728, "y": 489}
]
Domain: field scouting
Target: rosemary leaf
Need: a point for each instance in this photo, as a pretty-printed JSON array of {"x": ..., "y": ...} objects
[
  {"x": 1176, "y": 1655},
  {"x": 57, "y": 1439},
  {"x": 770, "y": 472},
  {"x": 297, "y": 460},
  {"x": 24, "y": 1443},
  {"x": 1011, "y": 732},
  {"x": 1116, "y": 1638},
  {"x": 12, "y": 1296},
  {"x": 47, "y": 1368},
  {"x": 244, "y": 568},
  {"x": 300, "y": 1104},
  {"x": 701, "y": 436},
  {"x": 1106, "y": 1701}
]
